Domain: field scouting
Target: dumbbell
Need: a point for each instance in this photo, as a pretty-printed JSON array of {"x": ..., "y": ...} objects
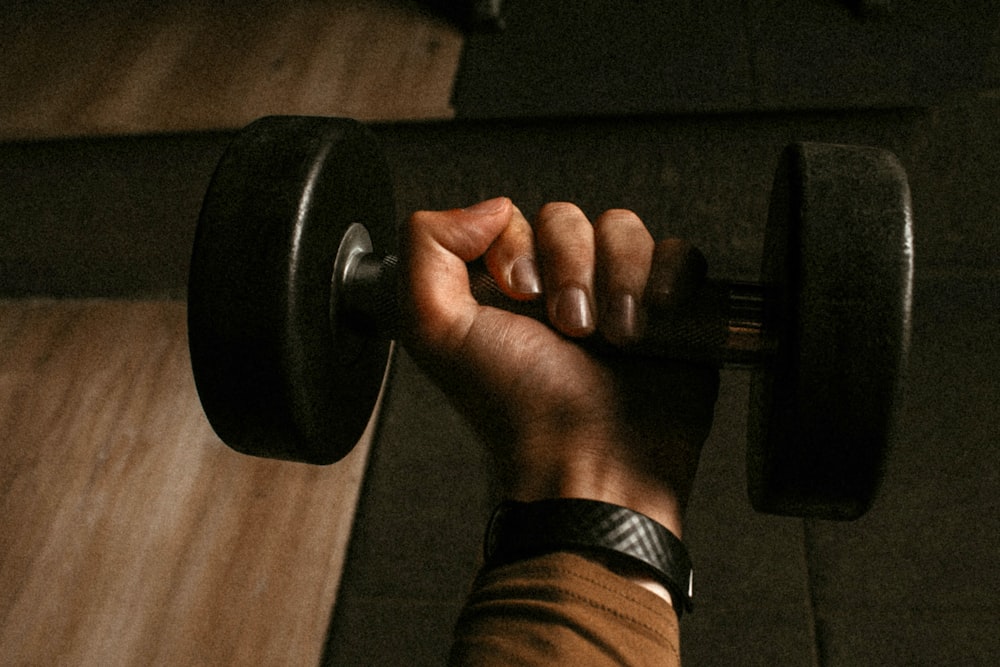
[{"x": 291, "y": 309}]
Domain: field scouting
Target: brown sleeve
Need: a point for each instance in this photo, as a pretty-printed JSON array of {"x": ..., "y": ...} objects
[{"x": 562, "y": 609}]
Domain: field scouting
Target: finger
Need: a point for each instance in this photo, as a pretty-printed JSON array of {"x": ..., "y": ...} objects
[
  {"x": 511, "y": 259},
  {"x": 624, "y": 251},
  {"x": 678, "y": 271},
  {"x": 565, "y": 240},
  {"x": 435, "y": 296}
]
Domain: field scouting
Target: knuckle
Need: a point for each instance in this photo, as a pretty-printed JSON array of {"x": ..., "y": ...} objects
[
  {"x": 563, "y": 225},
  {"x": 560, "y": 213},
  {"x": 623, "y": 236},
  {"x": 620, "y": 217},
  {"x": 622, "y": 224}
]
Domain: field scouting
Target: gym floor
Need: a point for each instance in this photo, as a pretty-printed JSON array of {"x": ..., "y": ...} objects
[{"x": 130, "y": 535}]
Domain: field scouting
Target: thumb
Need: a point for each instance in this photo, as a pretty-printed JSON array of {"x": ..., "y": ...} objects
[{"x": 435, "y": 295}]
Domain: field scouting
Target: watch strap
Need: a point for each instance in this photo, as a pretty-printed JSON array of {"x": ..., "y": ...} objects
[{"x": 519, "y": 530}]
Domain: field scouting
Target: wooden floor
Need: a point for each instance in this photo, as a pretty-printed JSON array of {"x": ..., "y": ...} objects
[
  {"x": 129, "y": 534},
  {"x": 126, "y": 66}
]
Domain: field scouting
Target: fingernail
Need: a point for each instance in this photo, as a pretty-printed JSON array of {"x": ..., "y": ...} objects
[
  {"x": 572, "y": 311},
  {"x": 621, "y": 322},
  {"x": 488, "y": 207},
  {"x": 524, "y": 277}
]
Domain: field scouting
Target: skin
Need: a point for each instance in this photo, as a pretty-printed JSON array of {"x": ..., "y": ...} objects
[{"x": 558, "y": 420}]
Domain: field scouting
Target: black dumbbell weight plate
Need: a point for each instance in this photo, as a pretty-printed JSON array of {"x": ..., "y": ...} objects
[
  {"x": 838, "y": 263},
  {"x": 275, "y": 376}
]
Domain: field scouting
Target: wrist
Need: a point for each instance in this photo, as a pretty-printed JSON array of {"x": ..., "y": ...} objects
[{"x": 598, "y": 479}]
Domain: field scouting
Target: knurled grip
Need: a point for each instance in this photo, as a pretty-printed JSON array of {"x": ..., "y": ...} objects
[{"x": 720, "y": 325}]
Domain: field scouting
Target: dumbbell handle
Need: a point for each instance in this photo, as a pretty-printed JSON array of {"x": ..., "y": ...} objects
[{"x": 723, "y": 324}]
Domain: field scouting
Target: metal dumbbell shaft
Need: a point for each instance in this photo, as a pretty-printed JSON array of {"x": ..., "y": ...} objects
[{"x": 723, "y": 325}]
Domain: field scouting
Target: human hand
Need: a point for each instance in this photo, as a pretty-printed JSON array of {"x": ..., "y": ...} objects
[{"x": 560, "y": 420}]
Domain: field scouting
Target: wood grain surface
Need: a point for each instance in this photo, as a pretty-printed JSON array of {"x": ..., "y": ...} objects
[
  {"x": 133, "y": 66},
  {"x": 129, "y": 534}
]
